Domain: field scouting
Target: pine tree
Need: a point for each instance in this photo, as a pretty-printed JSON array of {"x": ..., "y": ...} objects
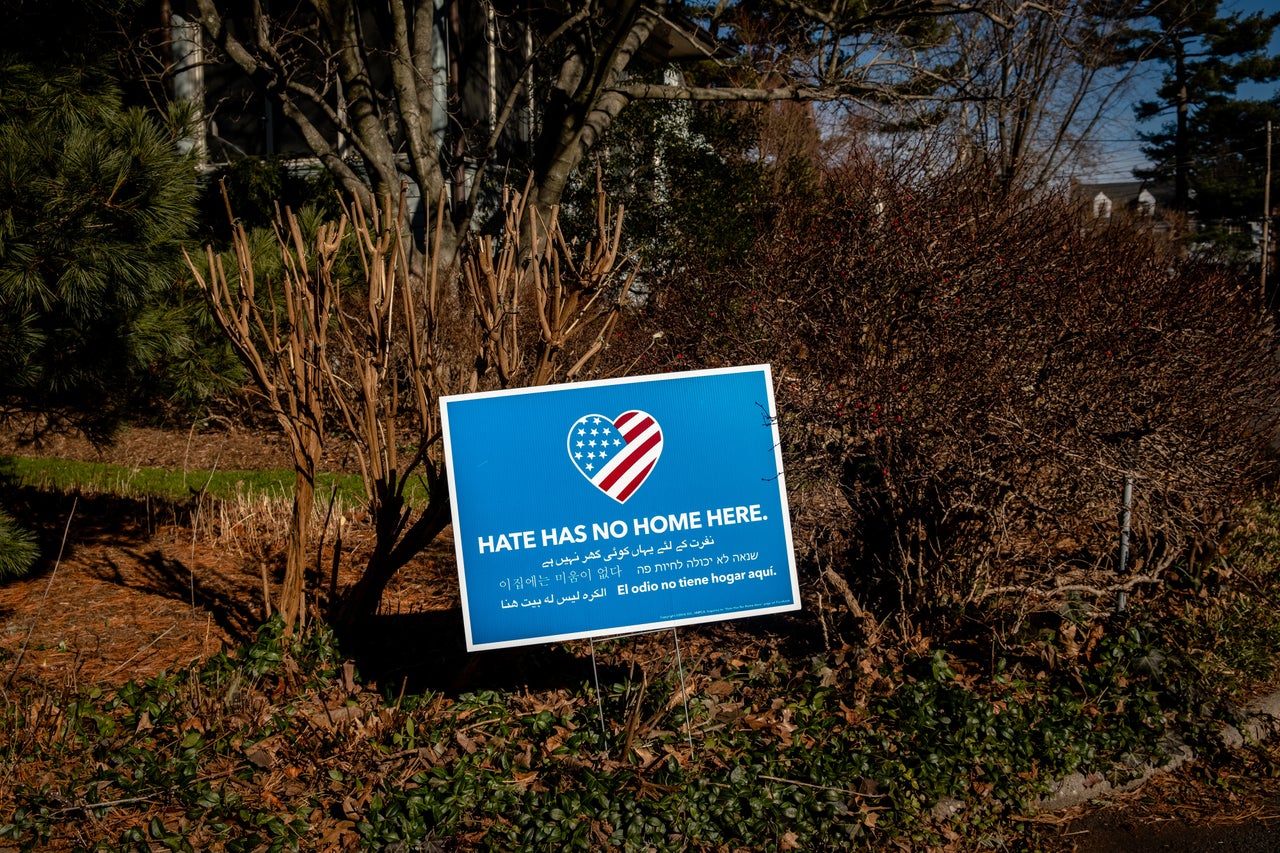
[
  {"x": 1207, "y": 55},
  {"x": 94, "y": 201},
  {"x": 1228, "y": 147},
  {"x": 18, "y": 548}
]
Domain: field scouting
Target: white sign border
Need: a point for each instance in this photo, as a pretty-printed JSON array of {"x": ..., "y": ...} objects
[{"x": 638, "y": 628}]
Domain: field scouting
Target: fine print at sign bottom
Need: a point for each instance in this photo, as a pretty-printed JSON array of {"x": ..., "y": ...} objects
[{"x": 671, "y": 512}]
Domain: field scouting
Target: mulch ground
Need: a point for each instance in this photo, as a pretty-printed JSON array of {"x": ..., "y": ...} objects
[{"x": 135, "y": 591}]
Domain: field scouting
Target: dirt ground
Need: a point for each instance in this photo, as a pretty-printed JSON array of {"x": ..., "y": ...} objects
[
  {"x": 1231, "y": 804},
  {"x": 138, "y": 588}
]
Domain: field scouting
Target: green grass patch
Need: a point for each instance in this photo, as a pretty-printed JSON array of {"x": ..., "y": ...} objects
[{"x": 67, "y": 475}]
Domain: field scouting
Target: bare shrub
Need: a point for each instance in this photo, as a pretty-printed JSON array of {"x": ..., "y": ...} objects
[
  {"x": 283, "y": 346},
  {"x": 373, "y": 354},
  {"x": 964, "y": 384},
  {"x": 405, "y": 347}
]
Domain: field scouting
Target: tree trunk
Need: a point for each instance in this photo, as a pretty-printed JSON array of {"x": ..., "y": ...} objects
[
  {"x": 1181, "y": 145},
  {"x": 360, "y": 603},
  {"x": 290, "y": 602}
]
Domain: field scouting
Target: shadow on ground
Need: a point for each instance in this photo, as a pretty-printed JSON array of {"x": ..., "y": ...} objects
[
  {"x": 63, "y": 521},
  {"x": 426, "y": 651}
]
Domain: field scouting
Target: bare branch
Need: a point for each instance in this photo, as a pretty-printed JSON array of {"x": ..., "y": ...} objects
[{"x": 751, "y": 94}]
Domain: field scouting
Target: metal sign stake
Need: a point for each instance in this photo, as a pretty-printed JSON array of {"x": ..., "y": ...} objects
[
  {"x": 595, "y": 674},
  {"x": 684, "y": 693},
  {"x": 1126, "y": 514}
]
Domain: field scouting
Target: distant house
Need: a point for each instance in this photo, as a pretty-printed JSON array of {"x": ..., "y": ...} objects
[
  {"x": 1134, "y": 199},
  {"x": 1149, "y": 202}
]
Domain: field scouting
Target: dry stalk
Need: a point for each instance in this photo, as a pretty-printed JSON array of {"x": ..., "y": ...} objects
[
  {"x": 576, "y": 302},
  {"x": 492, "y": 276},
  {"x": 393, "y": 385},
  {"x": 286, "y": 356}
]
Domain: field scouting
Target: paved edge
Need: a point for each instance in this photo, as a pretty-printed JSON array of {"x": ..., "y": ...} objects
[{"x": 1261, "y": 720}]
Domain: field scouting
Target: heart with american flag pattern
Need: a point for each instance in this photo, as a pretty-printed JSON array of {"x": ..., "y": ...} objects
[{"x": 616, "y": 454}]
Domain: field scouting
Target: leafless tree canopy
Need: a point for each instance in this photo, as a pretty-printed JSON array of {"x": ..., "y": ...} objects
[
  {"x": 1038, "y": 82},
  {"x": 442, "y": 95}
]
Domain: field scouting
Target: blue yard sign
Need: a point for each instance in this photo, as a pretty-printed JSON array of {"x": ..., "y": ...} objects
[{"x": 634, "y": 504}]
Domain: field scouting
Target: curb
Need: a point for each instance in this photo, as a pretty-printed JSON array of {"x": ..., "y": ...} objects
[{"x": 1261, "y": 720}]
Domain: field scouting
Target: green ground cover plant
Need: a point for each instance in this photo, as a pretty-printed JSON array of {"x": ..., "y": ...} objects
[
  {"x": 278, "y": 745},
  {"x": 199, "y": 759}
]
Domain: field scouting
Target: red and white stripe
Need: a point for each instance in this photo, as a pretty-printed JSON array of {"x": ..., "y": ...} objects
[{"x": 624, "y": 473}]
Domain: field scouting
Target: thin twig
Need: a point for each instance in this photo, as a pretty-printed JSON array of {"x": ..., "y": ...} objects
[
  {"x": 39, "y": 610},
  {"x": 139, "y": 651},
  {"x": 1076, "y": 587},
  {"x": 145, "y": 798},
  {"x": 817, "y": 787}
]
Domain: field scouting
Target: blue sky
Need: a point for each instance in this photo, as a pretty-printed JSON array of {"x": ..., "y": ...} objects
[{"x": 1120, "y": 137}]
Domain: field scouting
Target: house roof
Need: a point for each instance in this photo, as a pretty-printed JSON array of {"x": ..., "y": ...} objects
[
  {"x": 1126, "y": 193},
  {"x": 674, "y": 40}
]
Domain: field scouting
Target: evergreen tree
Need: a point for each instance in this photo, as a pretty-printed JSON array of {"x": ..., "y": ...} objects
[
  {"x": 1207, "y": 55},
  {"x": 1229, "y": 147},
  {"x": 687, "y": 180},
  {"x": 18, "y": 548},
  {"x": 94, "y": 201}
]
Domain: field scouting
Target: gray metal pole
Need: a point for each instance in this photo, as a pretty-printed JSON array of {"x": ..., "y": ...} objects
[
  {"x": 684, "y": 693},
  {"x": 1266, "y": 224},
  {"x": 1126, "y": 513}
]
